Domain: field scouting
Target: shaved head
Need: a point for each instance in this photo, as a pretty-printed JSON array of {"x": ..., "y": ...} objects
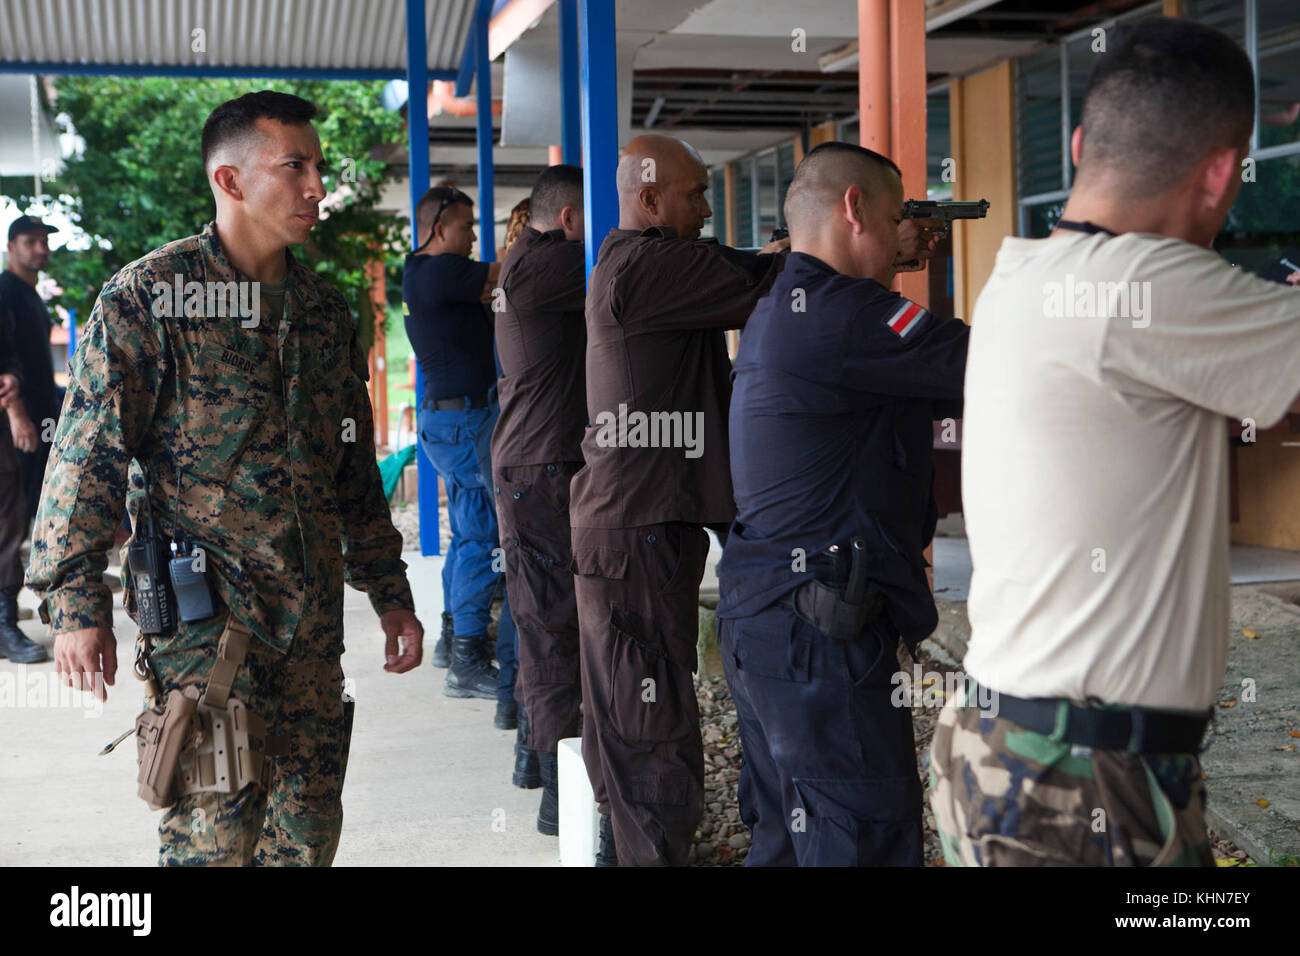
[
  {"x": 661, "y": 182},
  {"x": 826, "y": 173},
  {"x": 844, "y": 207}
]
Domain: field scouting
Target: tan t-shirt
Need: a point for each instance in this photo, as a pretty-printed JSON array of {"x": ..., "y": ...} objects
[{"x": 1094, "y": 461}]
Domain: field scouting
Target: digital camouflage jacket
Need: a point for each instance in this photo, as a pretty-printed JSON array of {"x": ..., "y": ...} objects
[{"x": 257, "y": 436}]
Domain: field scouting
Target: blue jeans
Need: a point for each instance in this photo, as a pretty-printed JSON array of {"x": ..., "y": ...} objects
[{"x": 458, "y": 444}]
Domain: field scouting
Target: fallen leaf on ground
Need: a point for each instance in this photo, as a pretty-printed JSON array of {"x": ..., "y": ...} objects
[
  {"x": 1247, "y": 632},
  {"x": 1261, "y": 803}
]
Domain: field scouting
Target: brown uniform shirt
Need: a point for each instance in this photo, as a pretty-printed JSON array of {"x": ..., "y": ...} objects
[
  {"x": 658, "y": 371},
  {"x": 541, "y": 335}
]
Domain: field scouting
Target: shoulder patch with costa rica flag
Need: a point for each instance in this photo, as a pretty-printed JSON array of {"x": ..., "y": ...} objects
[{"x": 906, "y": 319}]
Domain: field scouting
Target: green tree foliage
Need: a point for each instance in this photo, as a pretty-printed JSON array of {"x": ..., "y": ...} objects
[{"x": 140, "y": 183}]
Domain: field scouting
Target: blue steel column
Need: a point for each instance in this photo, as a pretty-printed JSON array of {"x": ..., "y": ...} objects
[
  {"x": 570, "y": 91},
  {"x": 599, "y": 88},
  {"x": 417, "y": 127},
  {"x": 487, "y": 242}
]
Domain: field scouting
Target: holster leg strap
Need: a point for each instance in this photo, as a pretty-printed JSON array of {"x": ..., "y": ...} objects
[{"x": 231, "y": 651}]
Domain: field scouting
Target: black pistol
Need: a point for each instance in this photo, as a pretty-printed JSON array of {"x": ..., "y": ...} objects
[{"x": 945, "y": 209}]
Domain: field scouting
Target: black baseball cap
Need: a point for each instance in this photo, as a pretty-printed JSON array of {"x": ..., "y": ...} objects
[{"x": 27, "y": 224}]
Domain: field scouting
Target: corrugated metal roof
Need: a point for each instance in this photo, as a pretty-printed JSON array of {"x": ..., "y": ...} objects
[{"x": 324, "y": 35}]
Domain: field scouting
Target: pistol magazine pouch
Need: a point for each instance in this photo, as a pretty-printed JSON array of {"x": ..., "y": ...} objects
[{"x": 208, "y": 744}]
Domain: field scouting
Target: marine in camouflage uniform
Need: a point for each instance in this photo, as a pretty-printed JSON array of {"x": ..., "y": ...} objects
[
  {"x": 1003, "y": 795},
  {"x": 259, "y": 444}
]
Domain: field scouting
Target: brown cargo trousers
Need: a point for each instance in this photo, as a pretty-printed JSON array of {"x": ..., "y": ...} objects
[
  {"x": 533, "y": 515},
  {"x": 638, "y": 607}
]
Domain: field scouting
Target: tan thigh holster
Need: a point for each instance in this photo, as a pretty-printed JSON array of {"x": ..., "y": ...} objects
[{"x": 209, "y": 743}]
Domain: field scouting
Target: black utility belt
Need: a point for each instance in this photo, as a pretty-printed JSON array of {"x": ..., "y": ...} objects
[
  {"x": 1137, "y": 729},
  {"x": 825, "y": 608},
  {"x": 459, "y": 403}
]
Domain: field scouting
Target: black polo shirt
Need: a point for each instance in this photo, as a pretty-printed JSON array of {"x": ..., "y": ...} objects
[
  {"x": 31, "y": 321},
  {"x": 836, "y": 386},
  {"x": 449, "y": 328}
]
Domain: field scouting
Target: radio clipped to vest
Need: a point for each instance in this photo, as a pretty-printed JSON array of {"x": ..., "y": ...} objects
[
  {"x": 170, "y": 578},
  {"x": 146, "y": 558}
]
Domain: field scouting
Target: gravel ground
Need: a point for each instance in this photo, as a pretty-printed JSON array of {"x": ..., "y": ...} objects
[
  {"x": 722, "y": 840},
  {"x": 406, "y": 518}
]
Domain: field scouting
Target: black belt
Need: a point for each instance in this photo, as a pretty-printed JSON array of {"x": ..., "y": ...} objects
[
  {"x": 458, "y": 403},
  {"x": 1136, "y": 729}
]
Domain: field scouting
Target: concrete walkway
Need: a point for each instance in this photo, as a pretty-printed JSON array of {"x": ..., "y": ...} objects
[{"x": 428, "y": 778}]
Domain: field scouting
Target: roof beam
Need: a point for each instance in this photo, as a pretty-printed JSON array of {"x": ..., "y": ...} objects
[{"x": 186, "y": 69}]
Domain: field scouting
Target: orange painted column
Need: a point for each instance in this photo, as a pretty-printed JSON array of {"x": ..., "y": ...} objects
[
  {"x": 907, "y": 117},
  {"x": 379, "y": 351},
  {"x": 873, "y": 75},
  {"x": 554, "y": 155},
  {"x": 891, "y": 101},
  {"x": 891, "y": 110}
]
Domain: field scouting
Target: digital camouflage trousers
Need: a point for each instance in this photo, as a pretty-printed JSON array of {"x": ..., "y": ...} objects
[
  {"x": 1006, "y": 796},
  {"x": 300, "y": 695}
]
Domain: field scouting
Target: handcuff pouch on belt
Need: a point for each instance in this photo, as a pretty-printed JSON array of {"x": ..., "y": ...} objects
[
  {"x": 842, "y": 612},
  {"x": 204, "y": 744}
]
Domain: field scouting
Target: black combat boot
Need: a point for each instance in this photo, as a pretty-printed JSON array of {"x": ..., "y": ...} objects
[
  {"x": 548, "y": 814},
  {"x": 507, "y": 715},
  {"x": 606, "y": 856},
  {"x": 526, "y": 775},
  {"x": 442, "y": 650},
  {"x": 471, "y": 674},
  {"x": 13, "y": 642}
]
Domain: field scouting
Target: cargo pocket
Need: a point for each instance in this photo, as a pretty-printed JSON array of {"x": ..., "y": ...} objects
[
  {"x": 864, "y": 822},
  {"x": 599, "y": 562},
  {"x": 687, "y": 550},
  {"x": 647, "y": 689},
  {"x": 514, "y": 496},
  {"x": 772, "y": 645},
  {"x": 545, "y": 598}
]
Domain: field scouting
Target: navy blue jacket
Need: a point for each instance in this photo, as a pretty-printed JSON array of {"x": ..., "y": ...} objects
[{"x": 836, "y": 386}]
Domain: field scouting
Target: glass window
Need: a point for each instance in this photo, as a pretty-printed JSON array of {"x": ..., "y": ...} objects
[
  {"x": 938, "y": 144},
  {"x": 716, "y": 227},
  {"x": 785, "y": 158},
  {"x": 742, "y": 208},
  {"x": 1226, "y": 15},
  {"x": 1038, "y": 122},
  {"x": 1262, "y": 223},
  {"x": 1040, "y": 218},
  {"x": 767, "y": 196},
  {"x": 1080, "y": 60},
  {"x": 1279, "y": 74}
]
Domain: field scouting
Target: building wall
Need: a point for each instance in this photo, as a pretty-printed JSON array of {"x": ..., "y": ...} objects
[
  {"x": 1267, "y": 489},
  {"x": 982, "y": 119}
]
